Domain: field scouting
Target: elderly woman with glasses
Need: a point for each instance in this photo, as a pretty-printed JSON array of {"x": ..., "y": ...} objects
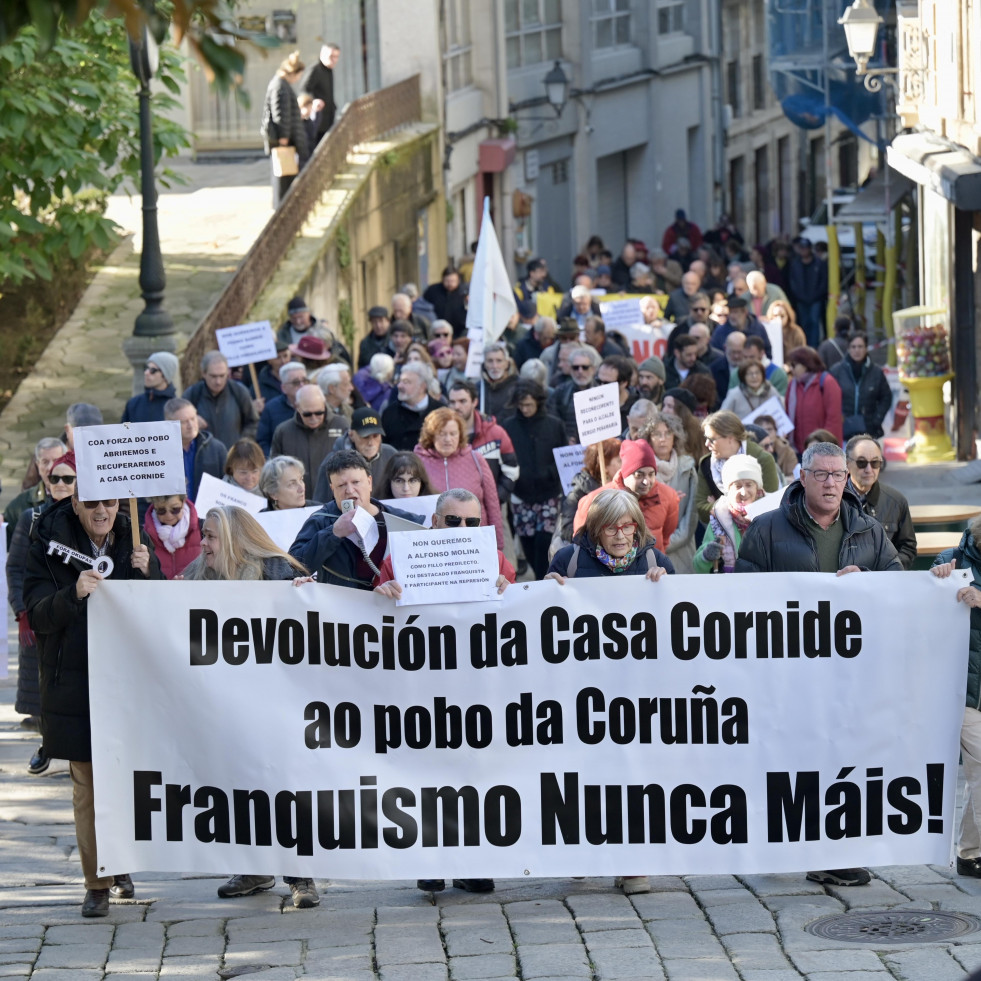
[
  {"x": 172, "y": 526},
  {"x": 56, "y": 595},
  {"x": 614, "y": 542}
]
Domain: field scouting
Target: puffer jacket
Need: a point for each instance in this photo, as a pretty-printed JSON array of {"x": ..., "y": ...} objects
[
  {"x": 60, "y": 621},
  {"x": 497, "y": 395},
  {"x": 814, "y": 403},
  {"x": 779, "y": 541},
  {"x": 968, "y": 556},
  {"x": 590, "y": 567},
  {"x": 492, "y": 442},
  {"x": 891, "y": 510},
  {"x": 467, "y": 469},
  {"x": 660, "y": 509},
  {"x": 707, "y": 487}
]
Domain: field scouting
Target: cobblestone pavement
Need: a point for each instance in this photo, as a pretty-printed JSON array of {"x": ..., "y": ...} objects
[{"x": 698, "y": 928}]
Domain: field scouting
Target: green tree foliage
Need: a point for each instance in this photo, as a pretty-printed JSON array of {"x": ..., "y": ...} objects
[{"x": 69, "y": 137}]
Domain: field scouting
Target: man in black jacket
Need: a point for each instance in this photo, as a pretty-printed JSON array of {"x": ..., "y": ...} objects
[
  {"x": 865, "y": 392},
  {"x": 403, "y": 416},
  {"x": 56, "y": 594},
  {"x": 318, "y": 81},
  {"x": 330, "y": 544},
  {"x": 878, "y": 500},
  {"x": 819, "y": 527}
]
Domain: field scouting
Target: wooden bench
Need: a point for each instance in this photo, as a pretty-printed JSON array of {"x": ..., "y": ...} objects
[
  {"x": 943, "y": 514},
  {"x": 929, "y": 544}
]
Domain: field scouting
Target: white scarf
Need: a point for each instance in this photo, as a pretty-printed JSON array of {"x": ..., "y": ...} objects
[
  {"x": 172, "y": 537},
  {"x": 666, "y": 469}
]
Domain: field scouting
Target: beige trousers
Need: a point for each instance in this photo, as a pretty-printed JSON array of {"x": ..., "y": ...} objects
[{"x": 83, "y": 801}]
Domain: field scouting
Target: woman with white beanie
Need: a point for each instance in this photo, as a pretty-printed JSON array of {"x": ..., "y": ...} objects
[{"x": 742, "y": 479}]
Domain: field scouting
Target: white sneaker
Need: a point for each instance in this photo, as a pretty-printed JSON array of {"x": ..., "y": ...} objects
[{"x": 632, "y": 885}]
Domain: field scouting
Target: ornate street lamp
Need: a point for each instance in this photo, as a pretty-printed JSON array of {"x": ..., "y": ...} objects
[
  {"x": 154, "y": 321},
  {"x": 556, "y": 84}
]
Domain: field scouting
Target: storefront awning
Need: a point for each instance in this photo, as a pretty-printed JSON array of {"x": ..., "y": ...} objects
[
  {"x": 875, "y": 200},
  {"x": 944, "y": 167}
]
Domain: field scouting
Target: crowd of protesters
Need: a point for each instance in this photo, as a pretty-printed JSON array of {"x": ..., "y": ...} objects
[{"x": 673, "y": 494}]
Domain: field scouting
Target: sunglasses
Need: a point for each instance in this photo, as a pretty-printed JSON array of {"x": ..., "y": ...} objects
[
  {"x": 161, "y": 511},
  {"x": 92, "y": 505},
  {"x": 454, "y": 521},
  {"x": 313, "y": 413},
  {"x": 151, "y": 369},
  {"x": 581, "y": 367},
  {"x": 62, "y": 478},
  {"x": 699, "y": 309},
  {"x": 862, "y": 463}
]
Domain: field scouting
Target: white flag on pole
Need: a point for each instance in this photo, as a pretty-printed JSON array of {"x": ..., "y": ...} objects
[{"x": 491, "y": 295}]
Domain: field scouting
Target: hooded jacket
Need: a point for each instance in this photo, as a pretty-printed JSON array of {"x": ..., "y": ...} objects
[
  {"x": 60, "y": 621},
  {"x": 814, "y": 404},
  {"x": 660, "y": 509},
  {"x": 467, "y": 469},
  {"x": 779, "y": 541},
  {"x": 492, "y": 442}
]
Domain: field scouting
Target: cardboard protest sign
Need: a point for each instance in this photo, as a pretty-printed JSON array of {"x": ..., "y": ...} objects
[
  {"x": 768, "y": 502},
  {"x": 772, "y": 407},
  {"x": 428, "y": 563},
  {"x": 621, "y": 313},
  {"x": 698, "y": 725},
  {"x": 130, "y": 460},
  {"x": 283, "y": 526},
  {"x": 774, "y": 331},
  {"x": 213, "y": 492},
  {"x": 598, "y": 413},
  {"x": 247, "y": 343},
  {"x": 569, "y": 461},
  {"x": 424, "y": 505}
]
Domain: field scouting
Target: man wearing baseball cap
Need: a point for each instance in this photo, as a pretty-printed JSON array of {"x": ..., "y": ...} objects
[{"x": 366, "y": 435}]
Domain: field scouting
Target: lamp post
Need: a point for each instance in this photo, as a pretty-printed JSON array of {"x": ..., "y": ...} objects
[
  {"x": 154, "y": 327},
  {"x": 556, "y": 88}
]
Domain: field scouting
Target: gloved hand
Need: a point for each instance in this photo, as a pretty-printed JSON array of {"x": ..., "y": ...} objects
[
  {"x": 712, "y": 551},
  {"x": 25, "y": 635}
]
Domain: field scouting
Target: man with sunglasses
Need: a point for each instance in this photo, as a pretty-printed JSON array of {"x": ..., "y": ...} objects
[
  {"x": 878, "y": 500},
  {"x": 159, "y": 374},
  {"x": 310, "y": 435},
  {"x": 56, "y": 595},
  {"x": 455, "y": 508},
  {"x": 819, "y": 527}
]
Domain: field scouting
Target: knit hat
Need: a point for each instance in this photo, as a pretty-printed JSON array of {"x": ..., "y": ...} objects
[
  {"x": 683, "y": 396},
  {"x": 297, "y": 305},
  {"x": 167, "y": 363},
  {"x": 634, "y": 455},
  {"x": 741, "y": 466},
  {"x": 654, "y": 365}
]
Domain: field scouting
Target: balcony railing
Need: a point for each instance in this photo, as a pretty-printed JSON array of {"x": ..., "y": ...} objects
[{"x": 366, "y": 119}]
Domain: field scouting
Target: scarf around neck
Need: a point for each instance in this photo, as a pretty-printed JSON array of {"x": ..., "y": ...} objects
[
  {"x": 172, "y": 537},
  {"x": 616, "y": 565}
]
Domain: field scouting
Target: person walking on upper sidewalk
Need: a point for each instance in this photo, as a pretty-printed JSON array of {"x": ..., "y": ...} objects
[{"x": 282, "y": 122}]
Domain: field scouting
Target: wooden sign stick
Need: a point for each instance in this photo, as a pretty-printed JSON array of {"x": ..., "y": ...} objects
[
  {"x": 602, "y": 463},
  {"x": 255, "y": 380},
  {"x": 134, "y": 522}
]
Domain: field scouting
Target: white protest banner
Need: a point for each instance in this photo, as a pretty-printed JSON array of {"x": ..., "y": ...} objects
[
  {"x": 645, "y": 342},
  {"x": 772, "y": 407},
  {"x": 247, "y": 343},
  {"x": 774, "y": 331},
  {"x": 423, "y": 505},
  {"x": 618, "y": 314},
  {"x": 768, "y": 502},
  {"x": 428, "y": 563},
  {"x": 283, "y": 526},
  {"x": 778, "y": 722},
  {"x": 569, "y": 461},
  {"x": 598, "y": 413},
  {"x": 133, "y": 459},
  {"x": 213, "y": 492},
  {"x": 4, "y": 645}
]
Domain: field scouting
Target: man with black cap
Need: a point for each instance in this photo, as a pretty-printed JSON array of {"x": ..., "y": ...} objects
[
  {"x": 366, "y": 435},
  {"x": 159, "y": 373},
  {"x": 740, "y": 319},
  {"x": 301, "y": 322},
  {"x": 377, "y": 340}
]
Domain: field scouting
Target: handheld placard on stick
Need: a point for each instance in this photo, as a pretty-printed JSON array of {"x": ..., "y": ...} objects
[
  {"x": 134, "y": 522},
  {"x": 602, "y": 463},
  {"x": 247, "y": 344}
]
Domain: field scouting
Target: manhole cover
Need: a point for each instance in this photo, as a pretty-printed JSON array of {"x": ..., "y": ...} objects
[{"x": 894, "y": 927}]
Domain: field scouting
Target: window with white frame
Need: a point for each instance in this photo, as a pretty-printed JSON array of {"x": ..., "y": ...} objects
[
  {"x": 533, "y": 31},
  {"x": 457, "y": 45},
  {"x": 611, "y": 23},
  {"x": 670, "y": 16}
]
